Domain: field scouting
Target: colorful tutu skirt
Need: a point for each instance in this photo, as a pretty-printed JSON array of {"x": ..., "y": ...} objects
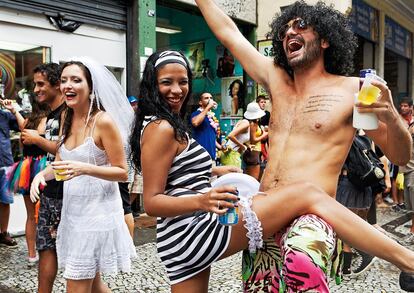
[{"x": 21, "y": 177}]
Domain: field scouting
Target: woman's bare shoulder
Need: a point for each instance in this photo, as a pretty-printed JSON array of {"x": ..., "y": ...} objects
[
  {"x": 160, "y": 134},
  {"x": 244, "y": 123},
  {"x": 161, "y": 128},
  {"x": 103, "y": 119}
]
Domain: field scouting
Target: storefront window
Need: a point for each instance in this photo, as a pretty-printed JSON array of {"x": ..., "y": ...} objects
[
  {"x": 397, "y": 60},
  {"x": 17, "y": 62},
  {"x": 397, "y": 74},
  {"x": 364, "y": 55}
]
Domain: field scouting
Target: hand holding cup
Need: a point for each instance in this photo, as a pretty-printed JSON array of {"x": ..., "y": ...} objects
[
  {"x": 65, "y": 170},
  {"x": 212, "y": 104},
  {"x": 383, "y": 107},
  {"x": 367, "y": 101}
]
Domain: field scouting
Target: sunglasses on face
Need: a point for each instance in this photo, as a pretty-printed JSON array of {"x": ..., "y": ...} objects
[{"x": 298, "y": 25}]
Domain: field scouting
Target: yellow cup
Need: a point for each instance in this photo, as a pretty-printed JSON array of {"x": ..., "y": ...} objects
[
  {"x": 58, "y": 176},
  {"x": 369, "y": 93}
]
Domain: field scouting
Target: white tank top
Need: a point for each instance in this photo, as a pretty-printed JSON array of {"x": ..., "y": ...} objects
[{"x": 242, "y": 137}]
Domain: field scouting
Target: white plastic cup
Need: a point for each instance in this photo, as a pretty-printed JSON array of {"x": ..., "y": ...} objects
[
  {"x": 214, "y": 104},
  {"x": 367, "y": 121}
]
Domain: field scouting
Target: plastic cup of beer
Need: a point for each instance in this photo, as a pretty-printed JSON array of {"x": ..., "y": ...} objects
[
  {"x": 369, "y": 93},
  {"x": 59, "y": 176},
  {"x": 367, "y": 121}
]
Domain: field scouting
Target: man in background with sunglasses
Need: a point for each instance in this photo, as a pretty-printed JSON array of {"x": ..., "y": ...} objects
[{"x": 310, "y": 132}]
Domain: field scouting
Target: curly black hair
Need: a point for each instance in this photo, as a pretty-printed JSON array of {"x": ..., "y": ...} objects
[
  {"x": 330, "y": 24},
  {"x": 50, "y": 70},
  {"x": 151, "y": 103}
]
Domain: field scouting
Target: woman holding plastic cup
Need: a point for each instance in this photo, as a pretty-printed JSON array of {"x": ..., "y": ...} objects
[
  {"x": 92, "y": 236},
  {"x": 177, "y": 172}
]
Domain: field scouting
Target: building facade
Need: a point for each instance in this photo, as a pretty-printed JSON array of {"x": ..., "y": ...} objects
[
  {"x": 35, "y": 31},
  {"x": 122, "y": 34},
  {"x": 178, "y": 24}
]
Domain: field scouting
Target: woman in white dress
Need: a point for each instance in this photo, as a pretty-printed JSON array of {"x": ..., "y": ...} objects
[{"x": 92, "y": 236}]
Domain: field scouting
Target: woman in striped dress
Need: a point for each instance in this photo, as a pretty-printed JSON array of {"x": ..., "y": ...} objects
[{"x": 177, "y": 171}]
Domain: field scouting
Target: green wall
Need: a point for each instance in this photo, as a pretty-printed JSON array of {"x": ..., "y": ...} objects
[{"x": 194, "y": 29}]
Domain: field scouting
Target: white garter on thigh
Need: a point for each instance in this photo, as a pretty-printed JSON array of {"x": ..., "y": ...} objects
[
  {"x": 247, "y": 186},
  {"x": 252, "y": 224}
]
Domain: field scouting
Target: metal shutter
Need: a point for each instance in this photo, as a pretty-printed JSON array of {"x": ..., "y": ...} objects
[{"x": 107, "y": 13}]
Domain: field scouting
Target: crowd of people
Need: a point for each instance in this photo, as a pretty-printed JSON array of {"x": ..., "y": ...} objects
[{"x": 85, "y": 147}]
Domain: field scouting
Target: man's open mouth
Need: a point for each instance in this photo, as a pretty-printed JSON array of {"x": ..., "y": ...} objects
[{"x": 293, "y": 46}]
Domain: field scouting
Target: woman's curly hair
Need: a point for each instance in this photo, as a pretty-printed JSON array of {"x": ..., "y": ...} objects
[
  {"x": 330, "y": 24},
  {"x": 151, "y": 103}
]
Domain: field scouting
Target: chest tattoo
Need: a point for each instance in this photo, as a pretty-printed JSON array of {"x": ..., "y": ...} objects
[{"x": 321, "y": 103}]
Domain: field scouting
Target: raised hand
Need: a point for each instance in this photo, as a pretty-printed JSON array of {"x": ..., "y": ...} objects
[{"x": 8, "y": 104}]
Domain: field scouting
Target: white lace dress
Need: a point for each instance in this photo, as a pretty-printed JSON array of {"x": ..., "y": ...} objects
[{"x": 92, "y": 235}]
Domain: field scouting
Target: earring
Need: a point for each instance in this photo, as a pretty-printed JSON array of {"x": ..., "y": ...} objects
[{"x": 92, "y": 96}]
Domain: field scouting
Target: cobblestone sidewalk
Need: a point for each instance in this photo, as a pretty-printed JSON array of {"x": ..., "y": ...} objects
[{"x": 148, "y": 274}]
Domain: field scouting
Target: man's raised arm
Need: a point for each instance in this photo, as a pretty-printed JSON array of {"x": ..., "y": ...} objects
[{"x": 226, "y": 31}]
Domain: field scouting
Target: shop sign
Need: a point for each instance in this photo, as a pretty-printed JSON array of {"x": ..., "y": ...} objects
[
  {"x": 265, "y": 47},
  {"x": 239, "y": 9},
  {"x": 398, "y": 39},
  {"x": 364, "y": 20}
]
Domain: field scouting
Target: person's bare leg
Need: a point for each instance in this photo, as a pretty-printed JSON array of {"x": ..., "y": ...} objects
[
  {"x": 400, "y": 195},
  {"x": 133, "y": 196},
  {"x": 412, "y": 223},
  {"x": 281, "y": 205},
  {"x": 394, "y": 191},
  {"x": 47, "y": 270},
  {"x": 129, "y": 220},
  {"x": 98, "y": 286},
  {"x": 79, "y": 286},
  {"x": 4, "y": 217},
  {"x": 30, "y": 226},
  {"x": 361, "y": 213},
  {"x": 196, "y": 284}
]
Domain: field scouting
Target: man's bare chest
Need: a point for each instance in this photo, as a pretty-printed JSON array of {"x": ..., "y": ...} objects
[{"x": 314, "y": 113}]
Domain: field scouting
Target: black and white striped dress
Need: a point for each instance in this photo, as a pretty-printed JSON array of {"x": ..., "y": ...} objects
[{"x": 188, "y": 244}]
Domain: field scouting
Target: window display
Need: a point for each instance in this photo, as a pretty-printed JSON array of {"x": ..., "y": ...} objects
[{"x": 17, "y": 62}]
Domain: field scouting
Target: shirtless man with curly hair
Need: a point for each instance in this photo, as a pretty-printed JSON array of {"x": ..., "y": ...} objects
[{"x": 310, "y": 131}]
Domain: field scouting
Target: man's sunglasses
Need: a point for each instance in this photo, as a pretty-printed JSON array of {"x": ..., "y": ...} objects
[{"x": 298, "y": 25}]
